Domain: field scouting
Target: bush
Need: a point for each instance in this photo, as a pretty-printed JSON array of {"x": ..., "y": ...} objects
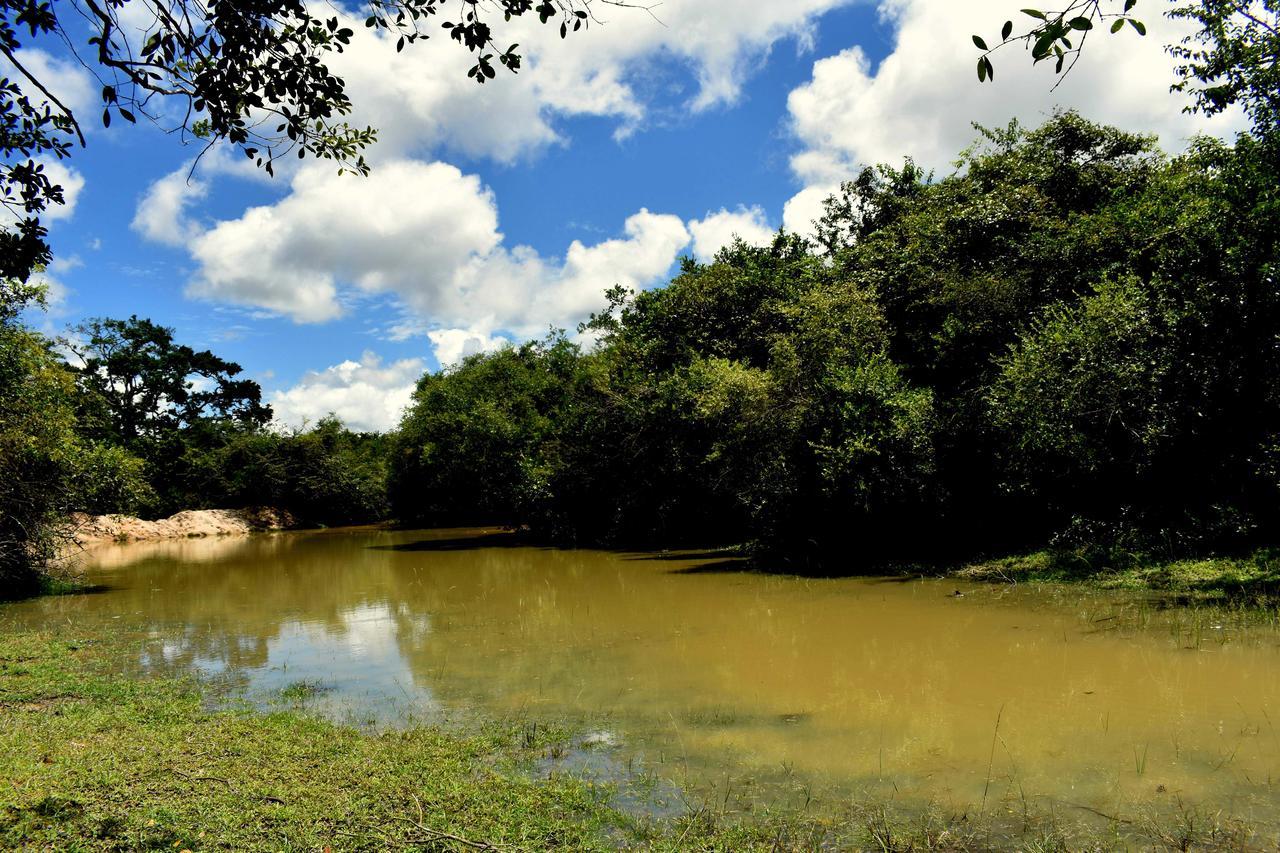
[
  {"x": 109, "y": 479},
  {"x": 37, "y": 456}
]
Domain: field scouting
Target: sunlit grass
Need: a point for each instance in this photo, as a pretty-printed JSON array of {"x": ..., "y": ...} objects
[{"x": 1254, "y": 577}]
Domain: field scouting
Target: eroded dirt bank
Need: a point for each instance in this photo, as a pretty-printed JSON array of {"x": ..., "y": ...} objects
[{"x": 90, "y": 530}]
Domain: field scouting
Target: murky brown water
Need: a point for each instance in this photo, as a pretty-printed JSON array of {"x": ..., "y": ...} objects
[{"x": 702, "y": 670}]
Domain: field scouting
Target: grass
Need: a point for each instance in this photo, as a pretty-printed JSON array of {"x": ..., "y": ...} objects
[
  {"x": 93, "y": 761},
  {"x": 1254, "y": 576},
  {"x": 97, "y": 762}
]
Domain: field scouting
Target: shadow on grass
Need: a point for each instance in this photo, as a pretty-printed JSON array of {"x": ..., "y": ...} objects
[{"x": 1262, "y": 593}]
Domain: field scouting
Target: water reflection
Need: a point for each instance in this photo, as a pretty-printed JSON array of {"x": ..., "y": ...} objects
[{"x": 857, "y": 683}]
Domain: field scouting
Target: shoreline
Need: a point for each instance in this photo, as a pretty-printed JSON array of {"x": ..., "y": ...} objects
[
  {"x": 1251, "y": 577},
  {"x": 87, "y": 531}
]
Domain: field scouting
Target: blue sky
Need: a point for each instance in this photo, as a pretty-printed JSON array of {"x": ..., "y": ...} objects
[{"x": 495, "y": 213}]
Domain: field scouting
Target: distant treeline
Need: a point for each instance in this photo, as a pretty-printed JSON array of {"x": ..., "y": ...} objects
[{"x": 1072, "y": 340}]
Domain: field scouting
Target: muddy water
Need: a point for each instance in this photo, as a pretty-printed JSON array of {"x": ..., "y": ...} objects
[{"x": 706, "y": 672}]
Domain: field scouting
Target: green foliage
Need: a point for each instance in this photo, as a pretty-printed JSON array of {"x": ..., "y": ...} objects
[
  {"x": 109, "y": 479},
  {"x": 325, "y": 475},
  {"x": 1233, "y": 58},
  {"x": 16, "y": 296},
  {"x": 475, "y": 445},
  {"x": 754, "y": 393},
  {"x": 37, "y": 455},
  {"x": 168, "y": 428},
  {"x": 1069, "y": 340},
  {"x": 148, "y": 385},
  {"x": 1087, "y": 402}
]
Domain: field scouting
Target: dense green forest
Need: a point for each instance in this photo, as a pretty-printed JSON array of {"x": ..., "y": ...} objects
[{"x": 1071, "y": 340}]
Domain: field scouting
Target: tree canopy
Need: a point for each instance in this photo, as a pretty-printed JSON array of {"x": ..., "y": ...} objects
[
  {"x": 148, "y": 384},
  {"x": 1063, "y": 341}
]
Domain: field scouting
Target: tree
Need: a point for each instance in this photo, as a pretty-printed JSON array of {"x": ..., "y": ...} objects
[
  {"x": 37, "y": 449},
  {"x": 252, "y": 74},
  {"x": 473, "y": 446},
  {"x": 148, "y": 385},
  {"x": 1233, "y": 58}
]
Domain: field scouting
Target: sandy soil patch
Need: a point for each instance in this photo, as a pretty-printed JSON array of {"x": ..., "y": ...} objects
[{"x": 92, "y": 530}]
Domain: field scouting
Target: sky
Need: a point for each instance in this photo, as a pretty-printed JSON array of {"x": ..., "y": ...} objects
[{"x": 495, "y": 213}]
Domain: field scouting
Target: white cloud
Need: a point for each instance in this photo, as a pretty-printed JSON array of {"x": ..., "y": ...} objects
[
  {"x": 365, "y": 394},
  {"x": 405, "y": 228},
  {"x": 522, "y": 292},
  {"x": 716, "y": 230},
  {"x": 453, "y": 345},
  {"x": 421, "y": 98},
  {"x": 424, "y": 232},
  {"x": 806, "y": 206},
  {"x": 161, "y": 214},
  {"x": 921, "y": 99}
]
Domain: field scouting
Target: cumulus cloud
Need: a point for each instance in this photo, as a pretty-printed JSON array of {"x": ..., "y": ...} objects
[
  {"x": 420, "y": 98},
  {"x": 521, "y": 291},
  {"x": 162, "y": 215},
  {"x": 453, "y": 345},
  {"x": 716, "y": 230},
  {"x": 405, "y": 228},
  {"x": 366, "y": 394},
  {"x": 424, "y": 232},
  {"x": 921, "y": 99}
]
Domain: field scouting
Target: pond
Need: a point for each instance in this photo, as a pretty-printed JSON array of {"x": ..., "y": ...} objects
[{"x": 703, "y": 674}]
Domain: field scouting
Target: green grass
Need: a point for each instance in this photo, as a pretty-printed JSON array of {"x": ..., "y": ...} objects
[
  {"x": 97, "y": 762},
  {"x": 1253, "y": 576}
]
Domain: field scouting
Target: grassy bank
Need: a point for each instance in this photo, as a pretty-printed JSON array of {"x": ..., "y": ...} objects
[
  {"x": 101, "y": 762},
  {"x": 1248, "y": 578},
  {"x": 95, "y": 761}
]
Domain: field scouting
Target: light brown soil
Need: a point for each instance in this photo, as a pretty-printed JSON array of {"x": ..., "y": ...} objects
[{"x": 92, "y": 530}]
